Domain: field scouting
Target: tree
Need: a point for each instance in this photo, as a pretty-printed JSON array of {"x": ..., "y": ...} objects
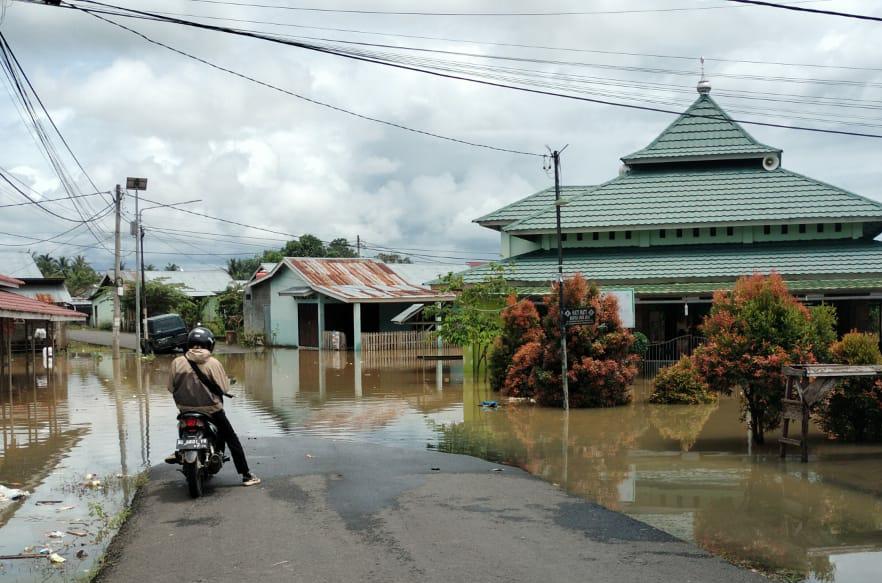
[
  {"x": 853, "y": 411},
  {"x": 45, "y": 264},
  {"x": 230, "y": 307},
  {"x": 149, "y": 267},
  {"x": 601, "y": 363},
  {"x": 242, "y": 268},
  {"x": 340, "y": 248},
  {"x": 305, "y": 246},
  {"x": 472, "y": 319},
  {"x": 393, "y": 258},
  {"x": 159, "y": 297},
  {"x": 520, "y": 325},
  {"x": 172, "y": 267},
  {"x": 752, "y": 332},
  {"x": 80, "y": 276}
]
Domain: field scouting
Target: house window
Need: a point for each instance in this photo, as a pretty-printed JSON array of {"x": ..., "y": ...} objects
[
  {"x": 595, "y": 236},
  {"x": 248, "y": 295},
  {"x": 767, "y": 230},
  {"x": 679, "y": 233},
  {"x": 730, "y": 231},
  {"x": 837, "y": 227},
  {"x": 612, "y": 235},
  {"x": 696, "y": 232},
  {"x": 563, "y": 237},
  {"x": 802, "y": 228},
  {"x": 627, "y": 234},
  {"x": 785, "y": 229},
  {"x": 578, "y": 236},
  {"x": 662, "y": 233},
  {"x": 713, "y": 231},
  {"x": 820, "y": 227}
]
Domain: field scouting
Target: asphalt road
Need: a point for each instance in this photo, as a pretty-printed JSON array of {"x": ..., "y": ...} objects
[
  {"x": 333, "y": 511},
  {"x": 127, "y": 340}
]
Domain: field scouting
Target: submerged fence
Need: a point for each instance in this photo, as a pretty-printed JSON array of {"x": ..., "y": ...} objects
[
  {"x": 661, "y": 354},
  {"x": 416, "y": 341}
]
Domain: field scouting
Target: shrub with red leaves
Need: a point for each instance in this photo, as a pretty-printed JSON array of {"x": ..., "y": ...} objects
[
  {"x": 600, "y": 357},
  {"x": 520, "y": 325}
]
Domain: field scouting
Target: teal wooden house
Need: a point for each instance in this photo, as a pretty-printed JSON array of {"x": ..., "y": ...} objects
[{"x": 701, "y": 205}]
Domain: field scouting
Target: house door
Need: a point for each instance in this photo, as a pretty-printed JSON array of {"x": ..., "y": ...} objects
[
  {"x": 307, "y": 321},
  {"x": 267, "y": 325}
]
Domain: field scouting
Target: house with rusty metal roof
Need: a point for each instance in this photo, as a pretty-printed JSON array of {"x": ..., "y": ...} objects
[
  {"x": 22, "y": 317},
  {"x": 304, "y": 301},
  {"x": 702, "y": 204}
]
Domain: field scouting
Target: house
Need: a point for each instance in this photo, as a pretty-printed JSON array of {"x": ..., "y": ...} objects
[
  {"x": 301, "y": 301},
  {"x": 701, "y": 205},
  {"x": 26, "y": 322},
  {"x": 21, "y": 266},
  {"x": 204, "y": 284}
]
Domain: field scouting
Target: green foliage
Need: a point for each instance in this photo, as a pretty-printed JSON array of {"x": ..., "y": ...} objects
[
  {"x": 242, "y": 268},
  {"x": 752, "y": 332},
  {"x": 641, "y": 344},
  {"x": 171, "y": 267},
  {"x": 473, "y": 318},
  {"x": 600, "y": 359},
  {"x": 393, "y": 258},
  {"x": 191, "y": 310},
  {"x": 162, "y": 298},
  {"x": 340, "y": 248},
  {"x": 230, "y": 308},
  {"x": 853, "y": 411},
  {"x": 305, "y": 246},
  {"x": 682, "y": 384},
  {"x": 79, "y": 276}
]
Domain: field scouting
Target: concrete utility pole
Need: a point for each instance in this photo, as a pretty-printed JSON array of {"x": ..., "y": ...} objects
[
  {"x": 117, "y": 281},
  {"x": 555, "y": 156},
  {"x": 137, "y": 184},
  {"x": 358, "y": 245}
]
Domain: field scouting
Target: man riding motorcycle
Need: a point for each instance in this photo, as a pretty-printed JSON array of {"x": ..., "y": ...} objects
[{"x": 193, "y": 394}]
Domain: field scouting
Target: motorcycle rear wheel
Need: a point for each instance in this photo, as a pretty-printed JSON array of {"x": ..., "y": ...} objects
[{"x": 195, "y": 481}]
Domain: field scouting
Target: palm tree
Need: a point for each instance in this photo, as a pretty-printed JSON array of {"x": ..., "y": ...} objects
[
  {"x": 46, "y": 264},
  {"x": 172, "y": 267},
  {"x": 63, "y": 264}
]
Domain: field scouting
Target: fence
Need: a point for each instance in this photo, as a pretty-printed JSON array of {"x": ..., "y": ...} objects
[
  {"x": 661, "y": 354},
  {"x": 415, "y": 341}
]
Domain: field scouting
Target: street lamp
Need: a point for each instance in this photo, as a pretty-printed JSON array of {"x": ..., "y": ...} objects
[{"x": 138, "y": 231}]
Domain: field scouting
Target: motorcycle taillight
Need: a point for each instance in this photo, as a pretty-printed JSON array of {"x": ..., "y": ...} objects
[{"x": 192, "y": 422}]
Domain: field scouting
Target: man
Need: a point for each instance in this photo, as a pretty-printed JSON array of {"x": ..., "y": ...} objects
[{"x": 192, "y": 395}]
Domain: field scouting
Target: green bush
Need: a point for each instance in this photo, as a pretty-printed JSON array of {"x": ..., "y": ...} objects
[
  {"x": 641, "y": 344},
  {"x": 681, "y": 383},
  {"x": 853, "y": 411}
]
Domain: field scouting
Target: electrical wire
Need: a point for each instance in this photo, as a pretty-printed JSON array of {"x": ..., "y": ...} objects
[
  {"x": 47, "y": 200},
  {"x": 400, "y": 66},
  {"x": 784, "y": 7}
]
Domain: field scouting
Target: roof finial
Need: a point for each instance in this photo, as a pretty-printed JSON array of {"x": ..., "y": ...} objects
[{"x": 704, "y": 86}]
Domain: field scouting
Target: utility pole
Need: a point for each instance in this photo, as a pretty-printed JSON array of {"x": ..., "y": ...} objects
[
  {"x": 555, "y": 156},
  {"x": 117, "y": 281},
  {"x": 144, "y": 287},
  {"x": 136, "y": 231},
  {"x": 358, "y": 245}
]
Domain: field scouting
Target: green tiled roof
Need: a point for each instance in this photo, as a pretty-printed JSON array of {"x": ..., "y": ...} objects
[
  {"x": 841, "y": 260},
  {"x": 703, "y": 131},
  {"x": 534, "y": 203},
  {"x": 708, "y": 287},
  {"x": 658, "y": 198}
]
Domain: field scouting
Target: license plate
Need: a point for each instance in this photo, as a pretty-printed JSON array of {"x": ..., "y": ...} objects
[{"x": 192, "y": 443}]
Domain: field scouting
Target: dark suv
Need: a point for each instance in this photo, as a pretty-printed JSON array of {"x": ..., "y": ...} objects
[{"x": 165, "y": 333}]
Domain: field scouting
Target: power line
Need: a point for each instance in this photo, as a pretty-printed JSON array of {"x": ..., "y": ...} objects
[
  {"x": 479, "y": 14},
  {"x": 395, "y": 65},
  {"x": 786, "y": 7},
  {"x": 46, "y": 200}
]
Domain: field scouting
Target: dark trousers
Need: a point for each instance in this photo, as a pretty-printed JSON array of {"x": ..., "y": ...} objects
[{"x": 228, "y": 436}]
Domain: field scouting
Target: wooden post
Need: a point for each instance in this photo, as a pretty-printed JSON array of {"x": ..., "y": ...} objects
[
  {"x": 805, "y": 428},
  {"x": 782, "y": 446}
]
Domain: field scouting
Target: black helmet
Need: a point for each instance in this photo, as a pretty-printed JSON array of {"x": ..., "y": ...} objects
[{"x": 200, "y": 337}]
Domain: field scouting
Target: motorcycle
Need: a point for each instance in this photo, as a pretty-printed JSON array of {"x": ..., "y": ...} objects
[{"x": 198, "y": 451}]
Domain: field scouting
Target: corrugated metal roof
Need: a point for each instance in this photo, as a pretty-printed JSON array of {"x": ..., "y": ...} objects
[
  {"x": 532, "y": 204},
  {"x": 359, "y": 280},
  {"x": 7, "y": 281},
  {"x": 670, "y": 265},
  {"x": 13, "y": 305},
  {"x": 18, "y": 264},
  {"x": 703, "y": 196},
  {"x": 713, "y": 134},
  {"x": 422, "y": 274},
  {"x": 54, "y": 291}
]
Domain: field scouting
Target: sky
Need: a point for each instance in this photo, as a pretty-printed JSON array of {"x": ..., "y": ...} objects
[{"x": 263, "y": 158}]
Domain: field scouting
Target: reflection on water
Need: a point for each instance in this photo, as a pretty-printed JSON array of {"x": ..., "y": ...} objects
[{"x": 687, "y": 470}]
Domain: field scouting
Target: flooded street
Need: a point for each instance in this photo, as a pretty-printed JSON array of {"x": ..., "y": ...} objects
[{"x": 686, "y": 470}]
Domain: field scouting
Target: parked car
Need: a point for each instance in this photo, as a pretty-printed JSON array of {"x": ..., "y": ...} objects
[{"x": 165, "y": 333}]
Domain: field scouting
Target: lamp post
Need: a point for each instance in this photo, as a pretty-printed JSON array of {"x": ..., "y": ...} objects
[
  {"x": 140, "y": 231},
  {"x": 558, "y": 203},
  {"x": 137, "y": 184}
]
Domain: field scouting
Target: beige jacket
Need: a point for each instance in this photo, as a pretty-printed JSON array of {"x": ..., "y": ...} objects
[{"x": 189, "y": 392}]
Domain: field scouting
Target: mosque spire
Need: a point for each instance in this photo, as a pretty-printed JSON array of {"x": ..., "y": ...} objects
[{"x": 704, "y": 86}]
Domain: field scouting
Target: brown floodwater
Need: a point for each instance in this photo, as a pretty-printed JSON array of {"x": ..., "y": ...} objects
[{"x": 688, "y": 470}]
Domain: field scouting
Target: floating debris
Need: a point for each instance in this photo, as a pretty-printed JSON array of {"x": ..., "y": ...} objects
[
  {"x": 56, "y": 558},
  {"x": 42, "y": 502},
  {"x": 309, "y": 456},
  {"x": 55, "y": 534},
  {"x": 81, "y": 554},
  {"x": 489, "y": 404},
  {"x": 78, "y": 533}
]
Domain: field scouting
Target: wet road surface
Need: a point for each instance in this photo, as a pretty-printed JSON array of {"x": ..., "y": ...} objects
[{"x": 361, "y": 512}]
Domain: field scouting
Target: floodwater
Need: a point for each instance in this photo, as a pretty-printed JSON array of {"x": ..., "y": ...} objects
[{"x": 687, "y": 470}]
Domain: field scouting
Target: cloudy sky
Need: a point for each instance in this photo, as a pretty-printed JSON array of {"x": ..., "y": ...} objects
[{"x": 260, "y": 157}]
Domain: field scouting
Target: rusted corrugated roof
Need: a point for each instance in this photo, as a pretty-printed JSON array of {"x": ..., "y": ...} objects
[
  {"x": 7, "y": 281},
  {"x": 18, "y": 306},
  {"x": 360, "y": 280}
]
